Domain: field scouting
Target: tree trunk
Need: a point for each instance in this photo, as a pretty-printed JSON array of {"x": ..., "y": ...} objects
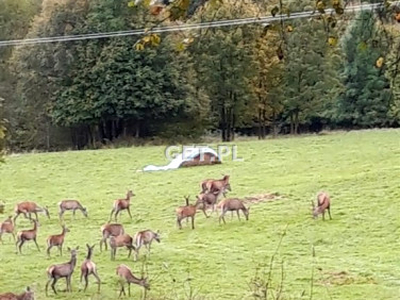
[
  {"x": 264, "y": 119},
  {"x": 223, "y": 123},
  {"x": 291, "y": 124},
  {"x": 259, "y": 124},
  {"x": 137, "y": 129},
  {"x": 296, "y": 122},
  {"x": 274, "y": 125}
]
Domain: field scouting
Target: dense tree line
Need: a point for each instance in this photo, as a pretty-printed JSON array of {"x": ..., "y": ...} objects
[{"x": 286, "y": 77}]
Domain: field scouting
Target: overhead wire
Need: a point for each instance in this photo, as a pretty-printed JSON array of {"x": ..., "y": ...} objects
[{"x": 174, "y": 28}]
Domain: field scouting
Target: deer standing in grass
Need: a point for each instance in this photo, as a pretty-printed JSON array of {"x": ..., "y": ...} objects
[
  {"x": 29, "y": 207},
  {"x": 57, "y": 240},
  {"x": 233, "y": 205},
  {"x": 126, "y": 276},
  {"x": 7, "y": 227},
  {"x": 73, "y": 205},
  {"x": 27, "y": 235},
  {"x": 216, "y": 185},
  {"x": 124, "y": 240},
  {"x": 27, "y": 295},
  {"x": 108, "y": 230},
  {"x": 323, "y": 204},
  {"x": 186, "y": 212},
  {"x": 122, "y": 204},
  {"x": 64, "y": 270},
  {"x": 210, "y": 199},
  {"x": 145, "y": 238},
  {"x": 88, "y": 267}
]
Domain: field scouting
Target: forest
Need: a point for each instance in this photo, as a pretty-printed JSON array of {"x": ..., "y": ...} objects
[{"x": 328, "y": 71}]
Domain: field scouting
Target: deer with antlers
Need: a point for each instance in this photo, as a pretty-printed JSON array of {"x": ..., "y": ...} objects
[
  {"x": 108, "y": 230},
  {"x": 122, "y": 204},
  {"x": 73, "y": 205},
  {"x": 7, "y": 227},
  {"x": 64, "y": 270},
  {"x": 323, "y": 204},
  {"x": 27, "y": 235},
  {"x": 233, "y": 205},
  {"x": 88, "y": 267},
  {"x": 124, "y": 240},
  {"x": 145, "y": 238},
  {"x": 126, "y": 276},
  {"x": 187, "y": 211},
  {"x": 216, "y": 185},
  {"x": 57, "y": 240},
  {"x": 29, "y": 207},
  {"x": 27, "y": 295}
]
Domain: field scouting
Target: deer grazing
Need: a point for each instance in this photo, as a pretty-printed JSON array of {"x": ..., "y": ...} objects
[
  {"x": 57, "y": 240},
  {"x": 323, "y": 204},
  {"x": 88, "y": 267},
  {"x": 233, "y": 205},
  {"x": 186, "y": 212},
  {"x": 210, "y": 199},
  {"x": 145, "y": 238},
  {"x": 124, "y": 240},
  {"x": 122, "y": 204},
  {"x": 216, "y": 185},
  {"x": 108, "y": 230},
  {"x": 126, "y": 276},
  {"x": 27, "y": 295},
  {"x": 27, "y": 235},
  {"x": 29, "y": 207},
  {"x": 7, "y": 227},
  {"x": 65, "y": 270},
  {"x": 73, "y": 205}
]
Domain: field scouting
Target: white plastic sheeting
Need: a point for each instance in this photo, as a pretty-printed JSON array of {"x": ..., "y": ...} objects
[{"x": 188, "y": 154}]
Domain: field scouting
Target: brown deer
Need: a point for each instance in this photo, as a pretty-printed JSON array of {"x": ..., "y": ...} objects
[
  {"x": 7, "y": 227},
  {"x": 122, "y": 204},
  {"x": 57, "y": 240},
  {"x": 233, "y": 205},
  {"x": 145, "y": 238},
  {"x": 27, "y": 235},
  {"x": 323, "y": 203},
  {"x": 186, "y": 212},
  {"x": 210, "y": 199},
  {"x": 27, "y": 295},
  {"x": 124, "y": 240},
  {"x": 29, "y": 207},
  {"x": 64, "y": 270},
  {"x": 216, "y": 185},
  {"x": 73, "y": 205},
  {"x": 88, "y": 267},
  {"x": 108, "y": 230},
  {"x": 126, "y": 276}
]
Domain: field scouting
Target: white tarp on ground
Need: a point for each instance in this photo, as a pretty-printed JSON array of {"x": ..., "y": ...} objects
[{"x": 188, "y": 154}]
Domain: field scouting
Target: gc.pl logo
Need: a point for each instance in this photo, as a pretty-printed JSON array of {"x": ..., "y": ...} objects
[{"x": 192, "y": 152}]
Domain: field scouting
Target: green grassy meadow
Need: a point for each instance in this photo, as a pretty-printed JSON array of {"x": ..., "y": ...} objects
[{"x": 357, "y": 254}]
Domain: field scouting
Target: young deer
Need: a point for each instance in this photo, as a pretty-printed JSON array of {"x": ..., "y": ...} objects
[
  {"x": 29, "y": 207},
  {"x": 73, "y": 205},
  {"x": 323, "y": 203},
  {"x": 186, "y": 212},
  {"x": 7, "y": 227},
  {"x": 145, "y": 238},
  {"x": 108, "y": 230},
  {"x": 233, "y": 205},
  {"x": 210, "y": 199},
  {"x": 122, "y": 204},
  {"x": 88, "y": 267},
  {"x": 27, "y": 235},
  {"x": 27, "y": 295},
  {"x": 57, "y": 240},
  {"x": 65, "y": 270},
  {"x": 124, "y": 240},
  {"x": 125, "y": 274},
  {"x": 216, "y": 185}
]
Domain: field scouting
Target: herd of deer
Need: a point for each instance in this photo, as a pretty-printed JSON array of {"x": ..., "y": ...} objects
[{"x": 211, "y": 191}]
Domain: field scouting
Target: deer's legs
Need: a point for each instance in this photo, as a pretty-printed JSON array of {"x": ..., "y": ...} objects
[
  {"x": 178, "y": 221},
  {"x": 73, "y": 213},
  {"x": 129, "y": 212},
  {"x": 69, "y": 283},
  {"x": 130, "y": 252},
  {"x": 122, "y": 290},
  {"x": 192, "y": 222},
  {"x": 34, "y": 239},
  {"x": 53, "y": 285},
  {"x": 98, "y": 280},
  {"x": 86, "y": 282},
  {"x": 60, "y": 248},
  {"x": 116, "y": 214},
  {"x": 48, "y": 249},
  {"x": 129, "y": 289},
  {"x": 20, "y": 245},
  {"x": 36, "y": 216},
  {"x": 323, "y": 215},
  {"x": 112, "y": 211},
  {"x": 237, "y": 212}
]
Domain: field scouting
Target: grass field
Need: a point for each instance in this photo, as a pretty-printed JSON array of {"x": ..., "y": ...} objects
[{"x": 356, "y": 253}]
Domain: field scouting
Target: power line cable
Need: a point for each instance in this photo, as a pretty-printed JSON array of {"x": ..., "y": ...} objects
[{"x": 196, "y": 26}]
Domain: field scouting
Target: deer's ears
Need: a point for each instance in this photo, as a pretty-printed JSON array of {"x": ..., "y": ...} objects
[{"x": 28, "y": 289}]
